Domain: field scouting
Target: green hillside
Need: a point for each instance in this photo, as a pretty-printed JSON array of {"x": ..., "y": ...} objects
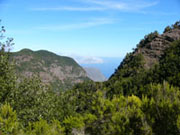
[
  {"x": 58, "y": 71},
  {"x": 142, "y": 97},
  {"x": 136, "y": 70}
]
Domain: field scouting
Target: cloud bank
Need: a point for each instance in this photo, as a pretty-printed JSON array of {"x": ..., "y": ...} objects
[
  {"x": 89, "y": 60},
  {"x": 86, "y": 59}
]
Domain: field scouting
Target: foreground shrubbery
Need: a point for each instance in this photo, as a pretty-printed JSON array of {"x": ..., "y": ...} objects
[{"x": 157, "y": 113}]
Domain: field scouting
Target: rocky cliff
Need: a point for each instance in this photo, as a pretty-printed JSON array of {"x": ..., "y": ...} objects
[
  {"x": 153, "y": 50},
  {"x": 149, "y": 50}
]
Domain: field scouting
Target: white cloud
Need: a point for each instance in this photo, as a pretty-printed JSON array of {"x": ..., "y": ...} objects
[
  {"x": 101, "y": 5},
  {"x": 90, "y": 23},
  {"x": 83, "y": 59},
  {"x": 69, "y": 9},
  {"x": 130, "y": 5}
]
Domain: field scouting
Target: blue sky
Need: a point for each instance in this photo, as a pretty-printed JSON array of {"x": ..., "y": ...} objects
[{"x": 87, "y": 30}]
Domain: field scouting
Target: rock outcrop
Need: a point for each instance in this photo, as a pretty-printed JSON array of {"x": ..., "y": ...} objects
[
  {"x": 149, "y": 51},
  {"x": 153, "y": 50}
]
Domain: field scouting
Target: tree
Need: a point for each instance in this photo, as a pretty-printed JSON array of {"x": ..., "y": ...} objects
[
  {"x": 169, "y": 64},
  {"x": 33, "y": 100},
  {"x": 8, "y": 120},
  {"x": 167, "y": 29},
  {"x": 41, "y": 127},
  {"x": 7, "y": 76},
  {"x": 119, "y": 116},
  {"x": 162, "y": 109}
]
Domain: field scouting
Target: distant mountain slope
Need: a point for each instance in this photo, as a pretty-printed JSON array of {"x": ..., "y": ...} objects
[
  {"x": 59, "y": 71},
  {"x": 108, "y": 66},
  {"x": 95, "y": 74}
]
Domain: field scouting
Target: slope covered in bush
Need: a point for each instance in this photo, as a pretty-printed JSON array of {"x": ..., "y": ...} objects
[{"x": 136, "y": 100}]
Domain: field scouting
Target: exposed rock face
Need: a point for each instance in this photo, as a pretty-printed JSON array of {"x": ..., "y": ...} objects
[
  {"x": 152, "y": 51},
  {"x": 58, "y": 71}
]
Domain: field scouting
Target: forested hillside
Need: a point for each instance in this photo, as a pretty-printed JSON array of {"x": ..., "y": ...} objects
[
  {"x": 60, "y": 72},
  {"x": 141, "y": 98}
]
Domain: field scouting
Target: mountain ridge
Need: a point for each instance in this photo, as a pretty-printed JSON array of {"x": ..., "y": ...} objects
[
  {"x": 58, "y": 71},
  {"x": 152, "y": 47}
]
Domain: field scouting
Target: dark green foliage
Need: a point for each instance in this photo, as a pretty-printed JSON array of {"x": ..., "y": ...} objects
[
  {"x": 176, "y": 25},
  {"x": 131, "y": 66},
  {"x": 147, "y": 39},
  {"x": 32, "y": 101},
  {"x": 170, "y": 65},
  {"x": 7, "y": 76},
  {"x": 169, "y": 28},
  {"x": 127, "y": 77},
  {"x": 122, "y": 115},
  {"x": 71, "y": 123},
  {"x": 83, "y": 95},
  {"x": 162, "y": 109}
]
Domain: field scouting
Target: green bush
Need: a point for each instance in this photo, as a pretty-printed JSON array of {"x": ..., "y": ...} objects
[{"x": 8, "y": 120}]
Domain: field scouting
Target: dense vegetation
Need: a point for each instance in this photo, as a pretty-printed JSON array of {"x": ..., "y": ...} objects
[{"x": 134, "y": 101}]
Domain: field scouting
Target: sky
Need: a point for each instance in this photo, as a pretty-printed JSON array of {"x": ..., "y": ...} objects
[{"x": 87, "y": 30}]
